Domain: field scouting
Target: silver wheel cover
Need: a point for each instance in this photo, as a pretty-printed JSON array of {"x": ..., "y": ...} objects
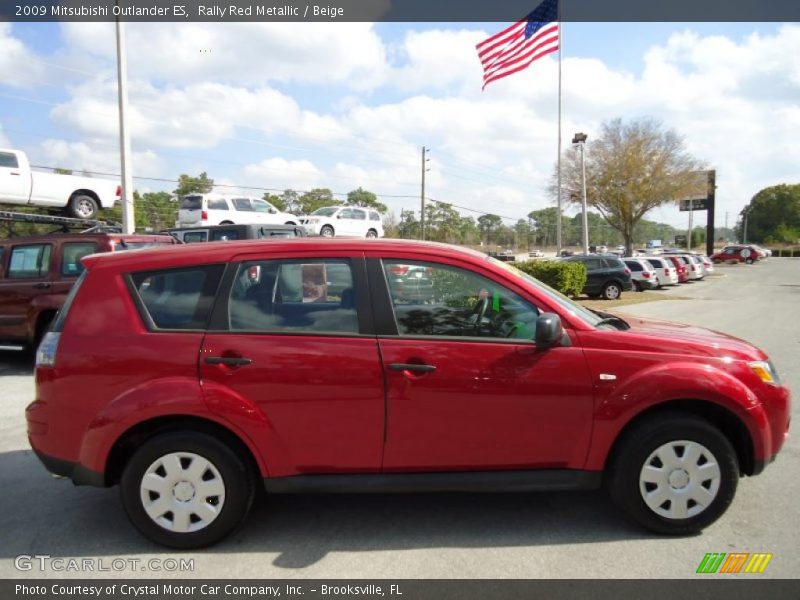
[{"x": 182, "y": 492}]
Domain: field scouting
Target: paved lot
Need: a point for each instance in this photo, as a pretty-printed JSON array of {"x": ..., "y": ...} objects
[{"x": 491, "y": 535}]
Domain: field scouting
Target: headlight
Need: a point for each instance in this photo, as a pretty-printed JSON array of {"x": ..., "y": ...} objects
[{"x": 765, "y": 371}]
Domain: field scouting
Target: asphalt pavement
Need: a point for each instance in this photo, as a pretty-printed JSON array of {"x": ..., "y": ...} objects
[{"x": 571, "y": 535}]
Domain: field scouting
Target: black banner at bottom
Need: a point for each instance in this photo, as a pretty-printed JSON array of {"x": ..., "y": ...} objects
[{"x": 702, "y": 587}]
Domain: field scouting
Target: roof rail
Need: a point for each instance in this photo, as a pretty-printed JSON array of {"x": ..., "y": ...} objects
[{"x": 64, "y": 223}]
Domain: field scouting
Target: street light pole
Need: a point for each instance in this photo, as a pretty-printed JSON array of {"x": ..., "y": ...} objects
[
  {"x": 422, "y": 193},
  {"x": 580, "y": 140},
  {"x": 128, "y": 222}
]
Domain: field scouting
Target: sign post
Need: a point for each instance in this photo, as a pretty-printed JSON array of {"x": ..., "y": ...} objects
[{"x": 707, "y": 204}]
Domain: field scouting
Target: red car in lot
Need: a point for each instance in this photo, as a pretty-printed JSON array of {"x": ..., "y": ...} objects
[
  {"x": 191, "y": 375},
  {"x": 680, "y": 267},
  {"x": 737, "y": 254}
]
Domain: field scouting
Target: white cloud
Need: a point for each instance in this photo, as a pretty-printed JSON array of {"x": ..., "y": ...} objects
[
  {"x": 19, "y": 66},
  {"x": 242, "y": 53},
  {"x": 280, "y": 174},
  {"x": 81, "y": 156}
]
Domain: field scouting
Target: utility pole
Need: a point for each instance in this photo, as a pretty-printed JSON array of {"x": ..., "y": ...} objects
[
  {"x": 128, "y": 220},
  {"x": 422, "y": 194}
]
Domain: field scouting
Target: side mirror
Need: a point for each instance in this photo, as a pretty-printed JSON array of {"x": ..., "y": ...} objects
[
  {"x": 273, "y": 211},
  {"x": 548, "y": 330}
]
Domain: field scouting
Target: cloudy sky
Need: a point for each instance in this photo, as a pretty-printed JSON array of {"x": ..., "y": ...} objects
[{"x": 343, "y": 105}]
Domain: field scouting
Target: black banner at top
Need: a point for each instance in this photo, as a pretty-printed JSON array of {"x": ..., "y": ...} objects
[{"x": 396, "y": 10}]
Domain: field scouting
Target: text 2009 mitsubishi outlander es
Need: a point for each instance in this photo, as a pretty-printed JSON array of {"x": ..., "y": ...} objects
[{"x": 191, "y": 375}]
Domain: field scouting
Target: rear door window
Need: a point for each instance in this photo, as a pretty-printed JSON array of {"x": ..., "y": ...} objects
[
  {"x": 593, "y": 264},
  {"x": 633, "y": 265},
  {"x": 29, "y": 262},
  {"x": 243, "y": 204},
  {"x": 192, "y": 237},
  {"x": 71, "y": 256},
  {"x": 176, "y": 298},
  {"x": 217, "y": 204},
  {"x": 308, "y": 296}
]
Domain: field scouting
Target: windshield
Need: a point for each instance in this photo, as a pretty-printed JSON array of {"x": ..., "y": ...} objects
[
  {"x": 325, "y": 212},
  {"x": 557, "y": 297}
]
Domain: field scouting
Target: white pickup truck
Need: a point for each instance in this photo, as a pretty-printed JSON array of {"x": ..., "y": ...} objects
[{"x": 80, "y": 197}]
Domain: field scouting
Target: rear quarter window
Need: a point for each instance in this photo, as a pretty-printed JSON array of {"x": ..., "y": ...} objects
[
  {"x": 71, "y": 256},
  {"x": 192, "y": 203},
  {"x": 176, "y": 299}
]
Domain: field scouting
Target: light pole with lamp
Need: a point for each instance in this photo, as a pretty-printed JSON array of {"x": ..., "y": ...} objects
[{"x": 580, "y": 141}]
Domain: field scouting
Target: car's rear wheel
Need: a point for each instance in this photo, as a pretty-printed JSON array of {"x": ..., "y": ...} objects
[
  {"x": 372, "y": 233},
  {"x": 186, "y": 489},
  {"x": 674, "y": 474},
  {"x": 611, "y": 291},
  {"x": 82, "y": 207},
  {"x": 326, "y": 231},
  {"x": 749, "y": 261}
]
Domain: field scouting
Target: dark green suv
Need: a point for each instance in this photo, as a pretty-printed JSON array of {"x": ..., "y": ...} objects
[{"x": 607, "y": 276}]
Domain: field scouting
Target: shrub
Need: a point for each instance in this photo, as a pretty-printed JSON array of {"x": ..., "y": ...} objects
[{"x": 569, "y": 278}]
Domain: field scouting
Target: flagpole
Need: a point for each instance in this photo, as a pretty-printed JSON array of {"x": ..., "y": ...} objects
[{"x": 558, "y": 164}]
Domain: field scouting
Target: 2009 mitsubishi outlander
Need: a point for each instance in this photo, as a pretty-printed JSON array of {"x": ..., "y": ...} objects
[{"x": 191, "y": 375}]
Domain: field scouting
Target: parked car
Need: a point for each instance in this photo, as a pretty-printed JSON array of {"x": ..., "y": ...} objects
[
  {"x": 333, "y": 221},
  {"x": 737, "y": 254},
  {"x": 199, "y": 210},
  {"x": 535, "y": 253},
  {"x": 217, "y": 233},
  {"x": 37, "y": 272},
  {"x": 497, "y": 383},
  {"x": 694, "y": 269},
  {"x": 79, "y": 197},
  {"x": 410, "y": 283},
  {"x": 643, "y": 275},
  {"x": 665, "y": 270},
  {"x": 607, "y": 276},
  {"x": 680, "y": 267},
  {"x": 708, "y": 264},
  {"x": 504, "y": 256},
  {"x": 699, "y": 266}
]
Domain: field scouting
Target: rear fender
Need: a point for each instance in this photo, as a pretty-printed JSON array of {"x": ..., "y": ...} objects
[{"x": 167, "y": 397}]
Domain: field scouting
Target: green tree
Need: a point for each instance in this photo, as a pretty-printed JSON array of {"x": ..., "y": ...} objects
[
  {"x": 365, "y": 199},
  {"x": 408, "y": 227},
  {"x": 544, "y": 225},
  {"x": 631, "y": 168},
  {"x": 194, "y": 185},
  {"x": 773, "y": 215},
  {"x": 442, "y": 223},
  {"x": 60, "y": 171},
  {"x": 316, "y": 198},
  {"x": 276, "y": 201},
  {"x": 489, "y": 226},
  {"x": 523, "y": 231}
]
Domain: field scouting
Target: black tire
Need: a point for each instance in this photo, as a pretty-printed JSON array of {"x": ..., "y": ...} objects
[
  {"x": 638, "y": 445},
  {"x": 81, "y": 206},
  {"x": 636, "y": 286},
  {"x": 226, "y": 223},
  {"x": 749, "y": 261},
  {"x": 290, "y": 223},
  {"x": 611, "y": 291},
  {"x": 372, "y": 233},
  {"x": 326, "y": 231},
  {"x": 238, "y": 480}
]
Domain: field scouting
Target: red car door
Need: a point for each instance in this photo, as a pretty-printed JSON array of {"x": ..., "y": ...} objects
[
  {"x": 290, "y": 344},
  {"x": 466, "y": 386}
]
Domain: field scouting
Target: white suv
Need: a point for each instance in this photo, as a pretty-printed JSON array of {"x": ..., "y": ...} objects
[
  {"x": 215, "y": 209},
  {"x": 345, "y": 221}
]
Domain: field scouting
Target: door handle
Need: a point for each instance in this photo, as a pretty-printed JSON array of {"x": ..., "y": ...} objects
[
  {"x": 231, "y": 361},
  {"x": 16, "y": 174},
  {"x": 43, "y": 285},
  {"x": 412, "y": 367}
]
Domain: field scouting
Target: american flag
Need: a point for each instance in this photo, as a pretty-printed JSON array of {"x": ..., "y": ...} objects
[{"x": 517, "y": 46}]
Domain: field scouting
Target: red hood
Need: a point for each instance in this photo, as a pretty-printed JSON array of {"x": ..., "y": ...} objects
[{"x": 693, "y": 340}]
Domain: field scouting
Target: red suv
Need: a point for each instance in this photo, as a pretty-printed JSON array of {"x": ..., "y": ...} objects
[
  {"x": 737, "y": 254},
  {"x": 37, "y": 272},
  {"x": 192, "y": 375}
]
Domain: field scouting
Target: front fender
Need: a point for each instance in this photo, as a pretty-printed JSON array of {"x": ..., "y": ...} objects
[
  {"x": 617, "y": 405},
  {"x": 166, "y": 397}
]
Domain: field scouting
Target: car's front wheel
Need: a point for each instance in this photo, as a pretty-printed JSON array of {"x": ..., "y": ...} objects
[
  {"x": 82, "y": 207},
  {"x": 326, "y": 231},
  {"x": 186, "y": 489},
  {"x": 372, "y": 234},
  {"x": 674, "y": 474}
]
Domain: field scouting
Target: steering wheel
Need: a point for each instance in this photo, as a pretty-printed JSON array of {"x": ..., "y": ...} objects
[{"x": 480, "y": 310}]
